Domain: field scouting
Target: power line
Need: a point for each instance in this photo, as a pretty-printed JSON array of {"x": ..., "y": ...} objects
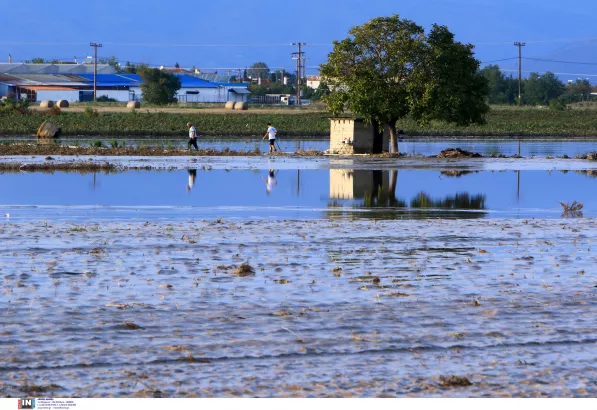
[
  {"x": 539, "y": 72},
  {"x": 503, "y": 59},
  {"x": 559, "y": 61}
]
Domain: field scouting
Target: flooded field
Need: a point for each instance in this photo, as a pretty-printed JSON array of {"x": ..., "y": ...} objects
[
  {"x": 296, "y": 194},
  {"x": 366, "y": 308},
  {"x": 299, "y": 277},
  {"x": 410, "y": 145}
]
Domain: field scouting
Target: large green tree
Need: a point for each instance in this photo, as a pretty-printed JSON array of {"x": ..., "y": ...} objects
[
  {"x": 389, "y": 68},
  {"x": 157, "y": 86}
]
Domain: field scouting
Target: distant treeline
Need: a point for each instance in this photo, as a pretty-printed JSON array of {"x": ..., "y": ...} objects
[{"x": 546, "y": 89}]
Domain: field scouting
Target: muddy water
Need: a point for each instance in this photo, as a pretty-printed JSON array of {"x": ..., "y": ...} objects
[
  {"x": 295, "y": 194},
  {"x": 360, "y": 308},
  {"x": 411, "y": 145}
]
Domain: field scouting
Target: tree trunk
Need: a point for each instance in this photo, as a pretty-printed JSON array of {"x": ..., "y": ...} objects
[
  {"x": 393, "y": 138},
  {"x": 392, "y": 187},
  {"x": 377, "y": 137}
]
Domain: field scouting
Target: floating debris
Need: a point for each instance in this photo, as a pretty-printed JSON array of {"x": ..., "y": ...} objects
[{"x": 452, "y": 381}]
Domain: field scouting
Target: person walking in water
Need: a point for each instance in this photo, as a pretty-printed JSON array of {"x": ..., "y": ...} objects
[
  {"x": 271, "y": 132},
  {"x": 192, "y": 136}
]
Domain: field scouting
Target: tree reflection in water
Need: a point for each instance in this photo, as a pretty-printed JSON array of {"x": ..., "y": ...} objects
[{"x": 380, "y": 196}]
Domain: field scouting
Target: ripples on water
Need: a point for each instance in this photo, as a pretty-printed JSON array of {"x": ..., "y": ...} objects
[{"x": 364, "y": 308}]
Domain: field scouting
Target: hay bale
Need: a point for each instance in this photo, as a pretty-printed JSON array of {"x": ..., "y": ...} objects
[
  {"x": 241, "y": 106},
  {"x": 133, "y": 104},
  {"x": 229, "y": 105},
  {"x": 46, "y": 104},
  {"x": 62, "y": 104},
  {"x": 48, "y": 130}
]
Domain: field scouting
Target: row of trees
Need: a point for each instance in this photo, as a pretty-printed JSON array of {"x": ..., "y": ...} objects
[{"x": 535, "y": 89}]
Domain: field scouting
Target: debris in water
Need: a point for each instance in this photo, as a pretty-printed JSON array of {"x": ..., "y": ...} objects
[{"x": 452, "y": 381}]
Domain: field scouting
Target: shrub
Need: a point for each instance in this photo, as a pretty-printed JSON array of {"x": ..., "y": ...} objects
[
  {"x": 105, "y": 98},
  {"x": 90, "y": 112},
  {"x": 55, "y": 110}
]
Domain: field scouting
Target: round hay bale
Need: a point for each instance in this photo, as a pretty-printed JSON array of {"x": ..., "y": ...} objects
[
  {"x": 133, "y": 104},
  {"x": 46, "y": 104},
  {"x": 229, "y": 105},
  {"x": 241, "y": 106},
  {"x": 62, "y": 104}
]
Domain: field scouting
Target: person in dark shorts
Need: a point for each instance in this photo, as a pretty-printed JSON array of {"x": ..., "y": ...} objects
[
  {"x": 271, "y": 133},
  {"x": 192, "y": 136}
]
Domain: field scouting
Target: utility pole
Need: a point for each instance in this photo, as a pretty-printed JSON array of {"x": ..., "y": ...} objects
[
  {"x": 95, "y": 46},
  {"x": 520, "y": 46},
  {"x": 298, "y": 56}
]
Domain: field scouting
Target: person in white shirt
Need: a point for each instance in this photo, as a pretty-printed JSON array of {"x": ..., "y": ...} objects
[
  {"x": 270, "y": 182},
  {"x": 192, "y": 177},
  {"x": 192, "y": 136},
  {"x": 271, "y": 132}
]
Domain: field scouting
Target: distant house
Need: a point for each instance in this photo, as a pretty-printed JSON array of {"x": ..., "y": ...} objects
[
  {"x": 74, "y": 83},
  {"x": 313, "y": 81}
]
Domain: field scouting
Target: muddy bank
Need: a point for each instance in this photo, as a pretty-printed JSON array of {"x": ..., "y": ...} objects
[
  {"x": 54, "y": 149},
  {"x": 433, "y": 308}
]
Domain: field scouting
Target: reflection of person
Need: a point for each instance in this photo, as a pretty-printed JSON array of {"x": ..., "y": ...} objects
[
  {"x": 271, "y": 132},
  {"x": 270, "y": 181},
  {"x": 192, "y": 136},
  {"x": 192, "y": 176}
]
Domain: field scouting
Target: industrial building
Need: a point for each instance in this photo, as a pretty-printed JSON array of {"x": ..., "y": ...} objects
[{"x": 74, "y": 83}]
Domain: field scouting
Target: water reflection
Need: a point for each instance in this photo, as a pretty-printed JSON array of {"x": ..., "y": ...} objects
[
  {"x": 192, "y": 177},
  {"x": 378, "y": 189},
  {"x": 270, "y": 181},
  {"x": 289, "y": 194}
]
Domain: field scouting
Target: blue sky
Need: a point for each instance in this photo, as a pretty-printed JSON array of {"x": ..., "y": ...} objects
[{"x": 162, "y": 33}]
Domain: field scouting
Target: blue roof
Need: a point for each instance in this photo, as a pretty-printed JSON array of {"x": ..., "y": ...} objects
[
  {"x": 238, "y": 85},
  {"x": 186, "y": 81},
  {"x": 111, "y": 80}
]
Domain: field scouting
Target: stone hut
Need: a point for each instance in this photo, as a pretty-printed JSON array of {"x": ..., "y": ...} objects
[{"x": 352, "y": 136}]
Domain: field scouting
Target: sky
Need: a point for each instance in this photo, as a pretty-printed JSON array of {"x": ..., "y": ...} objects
[{"x": 218, "y": 35}]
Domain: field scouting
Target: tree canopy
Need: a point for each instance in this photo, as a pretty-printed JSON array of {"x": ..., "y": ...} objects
[
  {"x": 389, "y": 68},
  {"x": 158, "y": 87},
  {"x": 259, "y": 69}
]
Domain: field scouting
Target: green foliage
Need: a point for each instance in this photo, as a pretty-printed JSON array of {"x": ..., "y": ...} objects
[
  {"x": 111, "y": 61},
  {"x": 41, "y": 60},
  {"x": 114, "y": 144},
  {"x": 158, "y": 87},
  {"x": 129, "y": 68},
  {"x": 557, "y": 104},
  {"x": 577, "y": 91},
  {"x": 389, "y": 69},
  {"x": 502, "y": 90},
  {"x": 541, "y": 89},
  {"x": 105, "y": 99},
  {"x": 10, "y": 105},
  {"x": 90, "y": 112},
  {"x": 259, "y": 69},
  {"x": 97, "y": 144},
  {"x": 321, "y": 91},
  {"x": 274, "y": 88}
]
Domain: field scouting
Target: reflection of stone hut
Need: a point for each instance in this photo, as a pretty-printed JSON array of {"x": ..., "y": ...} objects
[
  {"x": 356, "y": 184},
  {"x": 353, "y": 136}
]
